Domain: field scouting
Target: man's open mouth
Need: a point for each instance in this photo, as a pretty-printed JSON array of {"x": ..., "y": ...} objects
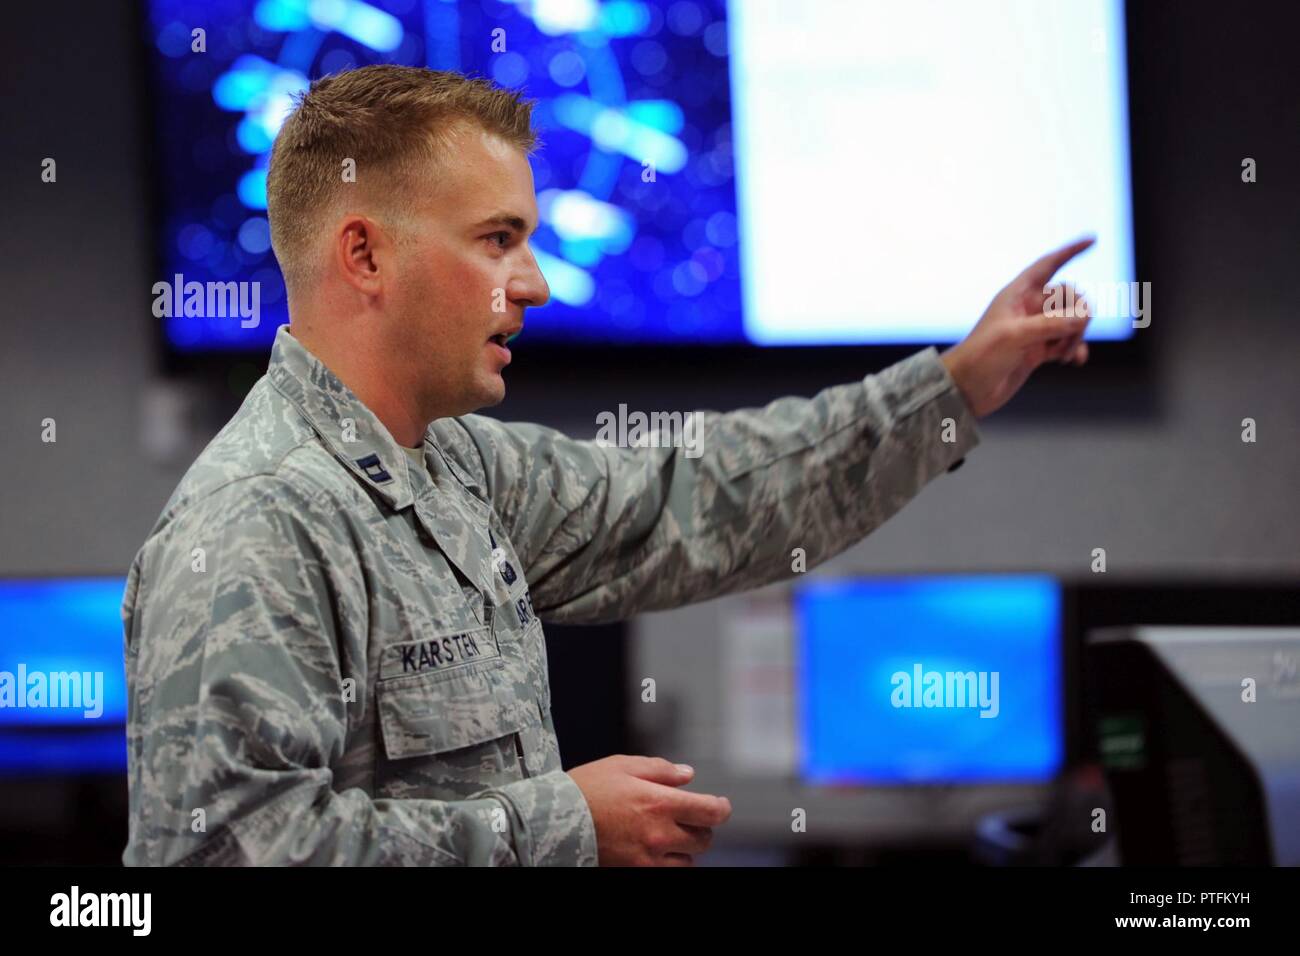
[{"x": 503, "y": 337}]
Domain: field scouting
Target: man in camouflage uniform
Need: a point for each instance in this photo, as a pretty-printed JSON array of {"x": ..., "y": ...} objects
[{"x": 333, "y": 636}]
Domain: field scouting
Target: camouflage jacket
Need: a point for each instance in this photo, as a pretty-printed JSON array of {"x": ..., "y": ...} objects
[{"x": 336, "y": 657}]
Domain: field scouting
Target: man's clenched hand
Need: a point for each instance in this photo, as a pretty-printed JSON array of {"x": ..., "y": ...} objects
[
  {"x": 1014, "y": 337},
  {"x": 641, "y": 818}
]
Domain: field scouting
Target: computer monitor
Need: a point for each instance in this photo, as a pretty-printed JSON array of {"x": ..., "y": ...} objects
[
  {"x": 929, "y": 680},
  {"x": 62, "y": 678}
]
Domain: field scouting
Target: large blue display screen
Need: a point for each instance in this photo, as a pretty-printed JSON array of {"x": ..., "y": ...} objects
[{"x": 767, "y": 172}]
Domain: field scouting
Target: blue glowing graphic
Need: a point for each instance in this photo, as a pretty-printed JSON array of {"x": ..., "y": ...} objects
[{"x": 637, "y": 235}]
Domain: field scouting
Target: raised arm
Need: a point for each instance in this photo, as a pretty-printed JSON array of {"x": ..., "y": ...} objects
[{"x": 606, "y": 532}]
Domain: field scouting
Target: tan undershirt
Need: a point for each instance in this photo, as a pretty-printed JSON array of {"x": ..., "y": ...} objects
[{"x": 416, "y": 455}]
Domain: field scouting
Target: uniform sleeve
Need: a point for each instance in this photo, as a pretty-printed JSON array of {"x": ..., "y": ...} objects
[
  {"x": 237, "y": 656},
  {"x": 606, "y": 532}
]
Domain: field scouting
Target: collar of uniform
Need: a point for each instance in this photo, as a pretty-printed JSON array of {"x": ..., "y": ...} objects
[{"x": 372, "y": 454}]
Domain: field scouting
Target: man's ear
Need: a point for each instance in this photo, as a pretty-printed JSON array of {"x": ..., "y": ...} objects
[{"x": 362, "y": 254}]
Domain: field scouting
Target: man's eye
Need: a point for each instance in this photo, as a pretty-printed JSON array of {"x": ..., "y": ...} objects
[{"x": 505, "y": 238}]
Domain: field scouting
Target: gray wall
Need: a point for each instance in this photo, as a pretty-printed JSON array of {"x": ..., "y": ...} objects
[{"x": 77, "y": 340}]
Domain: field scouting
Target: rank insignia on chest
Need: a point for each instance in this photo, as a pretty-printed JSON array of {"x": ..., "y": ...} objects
[{"x": 374, "y": 469}]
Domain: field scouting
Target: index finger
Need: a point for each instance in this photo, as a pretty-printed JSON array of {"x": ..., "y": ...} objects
[
  {"x": 1041, "y": 272},
  {"x": 698, "y": 809}
]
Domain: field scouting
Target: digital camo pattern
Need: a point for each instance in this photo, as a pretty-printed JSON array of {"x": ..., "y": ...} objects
[{"x": 335, "y": 656}]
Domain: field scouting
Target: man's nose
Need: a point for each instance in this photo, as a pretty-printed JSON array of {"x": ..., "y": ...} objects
[{"x": 531, "y": 289}]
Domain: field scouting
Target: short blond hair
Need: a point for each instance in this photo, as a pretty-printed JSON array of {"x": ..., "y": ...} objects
[{"x": 396, "y": 123}]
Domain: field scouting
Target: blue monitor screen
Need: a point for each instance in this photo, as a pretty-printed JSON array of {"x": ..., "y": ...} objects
[
  {"x": 929, "y": 680},
  {"x": 764, "y": 173},
  {"x": 62, "y": 680}
]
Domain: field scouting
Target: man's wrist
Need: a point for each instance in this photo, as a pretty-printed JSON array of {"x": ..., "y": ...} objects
[{"x": 952, "y": 363}]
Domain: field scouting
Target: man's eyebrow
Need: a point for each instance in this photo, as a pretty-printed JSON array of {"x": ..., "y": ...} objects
[{"x": 506, "y": 219}]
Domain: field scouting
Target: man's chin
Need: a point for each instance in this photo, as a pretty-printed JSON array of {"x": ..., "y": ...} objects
[{"x": 492, "y": 391}]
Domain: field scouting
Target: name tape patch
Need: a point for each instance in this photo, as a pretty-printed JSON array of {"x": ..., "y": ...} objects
[{"x": 438, "y": 653}]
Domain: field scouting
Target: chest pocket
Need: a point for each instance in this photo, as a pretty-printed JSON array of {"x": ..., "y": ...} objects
[
  {"x": 433, "y": 713},
  {"x": 452, "y": 730}
]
